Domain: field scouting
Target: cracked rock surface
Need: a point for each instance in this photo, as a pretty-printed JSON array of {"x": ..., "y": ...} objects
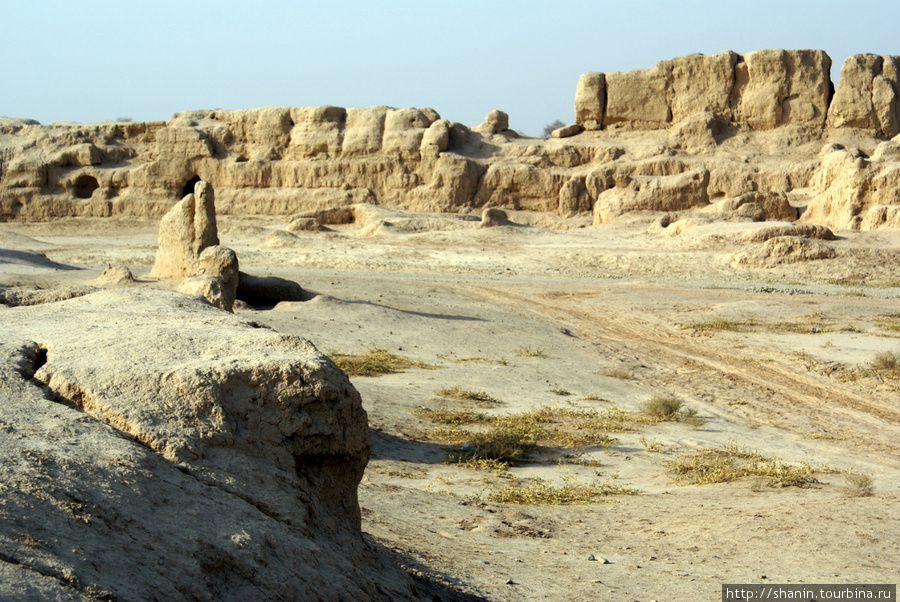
[{"x": 154, "y": 447}]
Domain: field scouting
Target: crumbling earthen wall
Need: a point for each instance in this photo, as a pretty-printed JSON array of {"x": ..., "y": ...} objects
[{"x": 698, "y": 112}]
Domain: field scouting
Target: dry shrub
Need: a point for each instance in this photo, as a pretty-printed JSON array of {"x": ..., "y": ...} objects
[
  {"x": 668, "y": 407},
  {"x": 458, "y": 392},
  {"x": 662, "y": 406},
  {"x": 730, "y": 462},
  {"x": 451, "y": 417},
  {"x": 887, "y": 361},
  {"x": 720, "y": 324},
  {"x": 509, "y": 437},
  {"x": 889, "y": 321},
  {"x": 503, "y": 443},
  {"x": 620, "y": 373},
  {"x": 860, "y": 485},
  {"x": 529, "y": 351}
]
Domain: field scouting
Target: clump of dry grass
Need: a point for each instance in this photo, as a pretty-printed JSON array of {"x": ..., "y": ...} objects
[
  {"x": 529, "y": 351},
  {"x": 477, "y": 358},
  {"x": 889, "y": 322},
  {"x": 509, "y": 437},
  {"x": 620, "y": 373},
  {"x": 573, "y": 491},
  {"x": 458, "y": 392},
  {"x": 662, "y": 406},
  {"x": 887, "y": 361},
  {"x": 730, "y": 462},
  {"x": 721, "y": 324},
  {"x": 374, "y": 362},
  {"x": 505, "y": 443},
  {"x": 813, "y": 324},
  {"x": 451, "y": 417},
  {"x": 653, "y": 445},
  {"x": 860, "y": 485}
]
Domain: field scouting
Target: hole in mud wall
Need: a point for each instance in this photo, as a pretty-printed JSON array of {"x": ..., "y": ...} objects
[
  {"x": 84, "y": 186},
  {"x": 40, "y": 358},
  {"x": 36, "y": 357},
  {"x": 189, "y": 186}
]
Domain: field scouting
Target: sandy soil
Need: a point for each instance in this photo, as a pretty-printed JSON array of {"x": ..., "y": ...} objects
[{"x": 792, "y": 383}]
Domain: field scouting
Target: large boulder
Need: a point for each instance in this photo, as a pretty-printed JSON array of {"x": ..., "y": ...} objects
[{"x": 210, "y": 457}]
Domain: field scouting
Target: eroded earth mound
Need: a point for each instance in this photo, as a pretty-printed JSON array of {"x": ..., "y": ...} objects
[{"x": 153, "y": 443}]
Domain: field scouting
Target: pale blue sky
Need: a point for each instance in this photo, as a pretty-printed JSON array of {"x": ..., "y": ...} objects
[{"x": 97, "y": 59}]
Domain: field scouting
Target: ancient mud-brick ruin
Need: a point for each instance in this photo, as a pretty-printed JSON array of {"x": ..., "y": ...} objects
[{"x": 689, "y": 132}]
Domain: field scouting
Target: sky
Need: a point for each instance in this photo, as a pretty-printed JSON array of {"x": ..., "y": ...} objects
[{"x": 97, "y": 60}]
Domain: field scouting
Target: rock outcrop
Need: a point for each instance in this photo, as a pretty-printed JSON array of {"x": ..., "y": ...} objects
[{"x": 212, "y": 457}]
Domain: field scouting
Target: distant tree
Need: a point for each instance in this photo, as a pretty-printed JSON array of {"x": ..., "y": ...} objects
[
  {"x": 548, "y": 129},
  {"x": 124, "y": 119}
]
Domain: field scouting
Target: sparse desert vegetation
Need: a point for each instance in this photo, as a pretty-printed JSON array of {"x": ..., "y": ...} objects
[
  {"x": 572, "y": 491},
  {"x": 887, "y": 362},
  {"x": 730, "y": 462},
  {"x": 457, "y": 392},
  {"x": 374, "y": 362},
  {"x": 530, "y": 351},
  {"x": 860, "y": 485}
]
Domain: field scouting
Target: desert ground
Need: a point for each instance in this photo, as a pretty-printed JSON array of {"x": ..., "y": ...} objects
[{"x": 584, "y": 320}]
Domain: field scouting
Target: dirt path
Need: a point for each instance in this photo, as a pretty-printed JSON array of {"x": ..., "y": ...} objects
[{"x": 768, "y": 389}]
